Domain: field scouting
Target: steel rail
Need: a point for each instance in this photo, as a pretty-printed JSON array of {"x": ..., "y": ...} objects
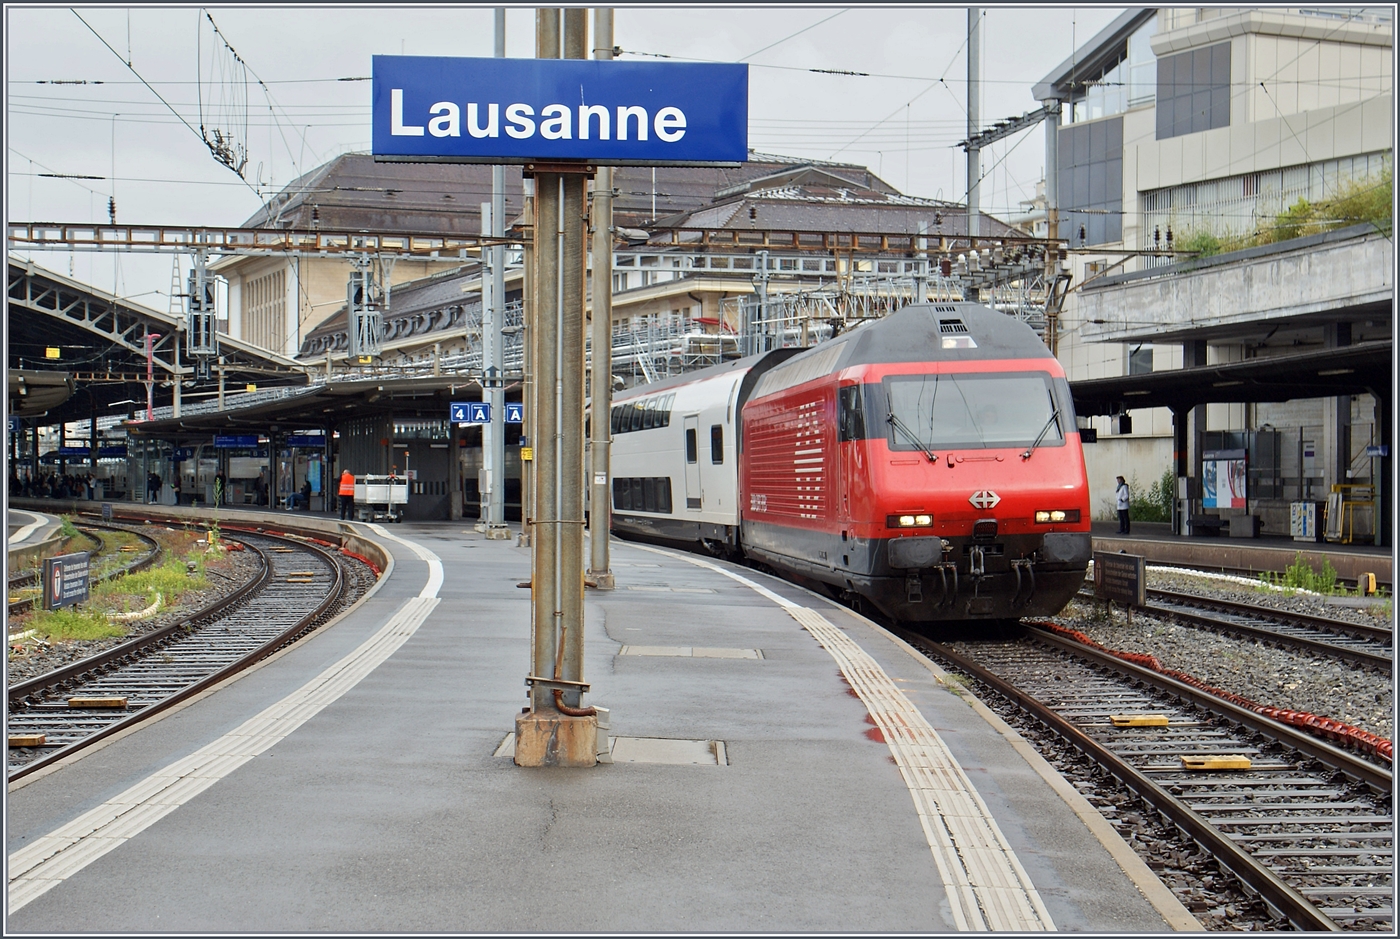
[
  {"x": 1357, "y": 656},
  {"x": 1376, "y": 633},
  {"x": 1377, "y": 777},
  {"x": 290, "y": 634},
  {"x": 1278, "y": 894}
]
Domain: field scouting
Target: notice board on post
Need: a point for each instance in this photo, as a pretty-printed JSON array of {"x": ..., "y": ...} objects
[
  {"x": 1121, "y": 578},
  {"x": 475, "y": 110},
  {"x": 65, "y": 580}
]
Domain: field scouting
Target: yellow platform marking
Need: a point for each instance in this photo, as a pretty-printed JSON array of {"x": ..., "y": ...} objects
[
  {"x": 1215, "y": 762},
  {"x": 98, "y": 701},
  {"x": 1138, "y": 720},
  {"x": 27, "y": 740}
]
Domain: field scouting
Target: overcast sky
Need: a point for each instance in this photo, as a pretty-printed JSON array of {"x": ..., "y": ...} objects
[{"x": 74, "y": 107}]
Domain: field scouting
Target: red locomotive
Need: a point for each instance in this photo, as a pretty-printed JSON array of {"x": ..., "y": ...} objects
[{"x": 927, "y": 462}]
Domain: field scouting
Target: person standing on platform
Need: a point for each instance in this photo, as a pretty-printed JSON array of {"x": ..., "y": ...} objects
[
  {"x": 1123, "y": 498},
  {"x": 347, "y": 496},
  {"x": 152, "y": 488}
]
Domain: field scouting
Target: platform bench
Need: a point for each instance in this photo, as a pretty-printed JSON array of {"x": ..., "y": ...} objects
[{"x": 1207, "y": 526}]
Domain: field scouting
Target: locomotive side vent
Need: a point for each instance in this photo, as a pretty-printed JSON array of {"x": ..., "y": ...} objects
[{"x": 952, "y": 326}]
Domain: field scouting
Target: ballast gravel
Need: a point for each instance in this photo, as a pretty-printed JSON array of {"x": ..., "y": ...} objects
[
  {"x": 38, "y": 660},
  {"x": 1279, "y": 677}
]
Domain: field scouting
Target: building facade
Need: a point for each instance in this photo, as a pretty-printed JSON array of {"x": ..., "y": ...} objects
[{"x": 1208, "y": 129}]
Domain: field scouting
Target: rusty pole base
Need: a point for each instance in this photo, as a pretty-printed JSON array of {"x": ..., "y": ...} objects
[
  {"x": 600, "y": 580},
  {"x": 548, "y": 738}
]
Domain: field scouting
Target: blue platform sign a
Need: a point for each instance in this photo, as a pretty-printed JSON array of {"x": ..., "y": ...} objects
[
  {"x": 466, "y": 110},
  {"x": 470, "y": 412},
  {"x": 515, "y": 412}
]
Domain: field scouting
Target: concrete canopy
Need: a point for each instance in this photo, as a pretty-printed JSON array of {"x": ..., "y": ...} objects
[{"x": 1360, "y": 369}]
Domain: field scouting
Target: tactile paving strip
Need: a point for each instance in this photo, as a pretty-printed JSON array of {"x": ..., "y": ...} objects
[
  {"x": 49, "y": 860},
  {"x": 987, "y": 887}
]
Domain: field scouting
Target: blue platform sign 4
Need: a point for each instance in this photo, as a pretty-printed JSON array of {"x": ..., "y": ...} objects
[
  {"x": 465, "y": 110},
  {"x": 515, "y": 412},
  {"x": 469, "y": 412}
]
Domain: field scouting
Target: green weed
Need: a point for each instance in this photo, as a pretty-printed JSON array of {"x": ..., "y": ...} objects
[
  {"x": 70, "y": 624},
  {"x": 1300, "y": 576}
]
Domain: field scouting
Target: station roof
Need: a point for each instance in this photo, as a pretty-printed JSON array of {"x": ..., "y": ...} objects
[
  {"x": 1364, "y": 368},
  {"x": 100, "y": 338},
  {"x": 322, "y": 405},
  {"x": 353, "y": 192}
]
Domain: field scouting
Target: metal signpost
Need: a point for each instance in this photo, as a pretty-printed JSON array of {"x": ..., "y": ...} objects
[{"x": 562, "y": 117}]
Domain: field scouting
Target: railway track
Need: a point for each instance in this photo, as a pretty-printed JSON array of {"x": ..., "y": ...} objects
[
  {"x": 1304, "y": 825},
  {"x": 1367, "y": 646},
  {"x": 143, "y": 560},
  {"x": 1352, "y": 642},
  {"x": 300, "y": 586}
]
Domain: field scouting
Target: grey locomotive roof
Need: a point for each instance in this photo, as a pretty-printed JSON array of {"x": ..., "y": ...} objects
[{"x": 915, "y": 333}]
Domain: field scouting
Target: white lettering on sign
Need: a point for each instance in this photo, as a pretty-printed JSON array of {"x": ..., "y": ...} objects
[
  {"x": 444, "y": 119},
  {"x": 519, "y": 116},
  {"x": 396, "y": 125},
  {"x": 493, "y": 121},
  {"x": 449, "y": 124}
]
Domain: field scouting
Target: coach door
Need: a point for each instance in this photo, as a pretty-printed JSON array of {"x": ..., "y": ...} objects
[{"x": 692, "y": 461}]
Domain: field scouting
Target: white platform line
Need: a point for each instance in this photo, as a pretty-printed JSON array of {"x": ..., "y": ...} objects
[
  {"x": 987, "y": 887},
  {"x": 22, "y": 533},
  {"x": 47, "y": 861}
]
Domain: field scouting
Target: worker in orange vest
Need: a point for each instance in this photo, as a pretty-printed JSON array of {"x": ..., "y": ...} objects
[{"x": 347, "y": 495}]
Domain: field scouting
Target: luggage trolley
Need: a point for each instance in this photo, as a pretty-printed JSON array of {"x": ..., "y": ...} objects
[{"x": 380, "y": 497}]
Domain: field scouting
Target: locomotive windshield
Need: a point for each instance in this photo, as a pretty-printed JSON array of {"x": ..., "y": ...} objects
[{"x": 972, "y": 411}]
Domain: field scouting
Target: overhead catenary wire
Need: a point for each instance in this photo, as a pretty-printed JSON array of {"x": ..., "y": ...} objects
[{"x": 114, "y": 52}]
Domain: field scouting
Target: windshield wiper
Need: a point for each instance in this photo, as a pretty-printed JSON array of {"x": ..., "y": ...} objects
[
  {"x": 899, "y": 426},
  {"x": 1054, "y": 419}
]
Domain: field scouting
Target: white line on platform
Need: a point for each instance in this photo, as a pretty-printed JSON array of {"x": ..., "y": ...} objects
[
  {"x": 23, "y": 533},
  {"x": 47, "y": 861},
  {"x": 987, "y": 887}
]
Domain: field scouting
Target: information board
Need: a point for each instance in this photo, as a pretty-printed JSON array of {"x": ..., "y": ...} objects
[
  {"x": 65, "y": 580},
  {"x": 476, "y": 110},
  {"x": 1121, "y": 578}
]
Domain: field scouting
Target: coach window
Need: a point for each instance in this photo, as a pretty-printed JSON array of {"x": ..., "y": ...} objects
[
  {"x": 716, "y": 443},
  {"x": 638, "y": 413},
  {"x": 692, "y": 449},
  {"x": 649, "y": 414}
]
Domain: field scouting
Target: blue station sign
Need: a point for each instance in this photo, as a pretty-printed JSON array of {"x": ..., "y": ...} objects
[
  {"x": 466, "y": 110},
  {"x": 469, "y": 412}
]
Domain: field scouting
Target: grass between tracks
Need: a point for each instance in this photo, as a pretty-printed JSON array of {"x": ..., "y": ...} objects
[{"x": 188, "y": 557}]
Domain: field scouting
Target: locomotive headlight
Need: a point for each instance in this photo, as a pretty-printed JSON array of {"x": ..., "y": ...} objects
[
  {"x": 1046, "y": 517},
  {"x": 909, "y": 521}
]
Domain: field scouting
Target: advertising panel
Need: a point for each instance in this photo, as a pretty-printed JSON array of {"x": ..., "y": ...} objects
[
  {"x": 1223, "y": 479},
  {"x": 468, "y": 110}
]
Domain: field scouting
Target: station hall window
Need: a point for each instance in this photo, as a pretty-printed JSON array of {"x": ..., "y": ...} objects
[{"x": 1193, "y": 91}]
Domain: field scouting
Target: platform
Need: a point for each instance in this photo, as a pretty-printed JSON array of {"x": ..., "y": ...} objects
[{"x": 360, "y": 781}]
